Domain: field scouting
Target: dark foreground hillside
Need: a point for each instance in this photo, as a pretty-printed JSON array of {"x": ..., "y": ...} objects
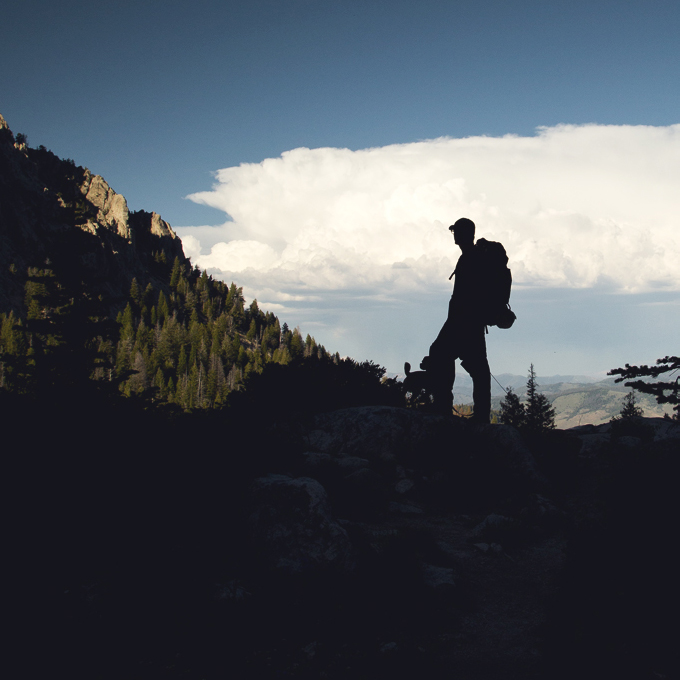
[{"x": 357, "y": 543}]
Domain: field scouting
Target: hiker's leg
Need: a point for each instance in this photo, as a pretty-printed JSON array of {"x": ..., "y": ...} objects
[
  {"x": 442, "y": 369},
  {"x": 481, "y": 390},
  {"x": 475, "y": 362},
  {"x": 443, "y": 377}
]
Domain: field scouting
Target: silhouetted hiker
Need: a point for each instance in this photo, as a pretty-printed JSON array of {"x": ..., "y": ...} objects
[{"x": 463, "y": 334}]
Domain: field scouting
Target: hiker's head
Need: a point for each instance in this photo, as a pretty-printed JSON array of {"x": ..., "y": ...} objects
[{"x": 463, "y": 231}]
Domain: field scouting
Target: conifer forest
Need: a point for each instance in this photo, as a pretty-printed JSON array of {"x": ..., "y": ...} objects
[{"x": 189, "y": 343}]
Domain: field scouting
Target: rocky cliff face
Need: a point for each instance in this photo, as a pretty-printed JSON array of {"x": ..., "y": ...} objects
[{"x": 53, "y": 209}]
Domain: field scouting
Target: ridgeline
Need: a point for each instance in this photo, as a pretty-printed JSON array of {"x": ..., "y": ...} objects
[{"x": 94, "y": 298}]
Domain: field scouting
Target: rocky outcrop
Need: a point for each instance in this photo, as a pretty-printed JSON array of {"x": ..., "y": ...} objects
[
  {"x": 384, "y": 435},
  {"x": 292, "y": 528},
  {"x": 112, "y": 210},
  {"x": 161, "y": 228},
  {"x": 53, "y": 209},
  {"x": 416, "y": 454},
  {"x": 652, "y": 433}
]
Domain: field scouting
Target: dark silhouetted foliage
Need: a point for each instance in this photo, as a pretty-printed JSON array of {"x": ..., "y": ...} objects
[
  {"x": 540, "y": 415},
  {"x": 536, "y": 415},
  {"x": 512, "y": 410},
  {"x": 664, "y": 391}
]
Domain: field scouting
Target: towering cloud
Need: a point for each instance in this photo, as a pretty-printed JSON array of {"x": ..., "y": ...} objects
[
  {"x": 339, "y": 240},
  {"x": 576, "y": 206}
]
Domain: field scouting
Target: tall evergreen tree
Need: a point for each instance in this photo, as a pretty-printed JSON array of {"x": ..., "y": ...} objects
[
  {"x": 630, "y": 409},
  {"x": 135, "y": 292},
  {"x": 540, "y": 415},
  {"x": 512, "y": 410},
  {"x": 176, "y": 273},
  {"x": 252, "y": 331},
  {"x": 297, "y": 345}
]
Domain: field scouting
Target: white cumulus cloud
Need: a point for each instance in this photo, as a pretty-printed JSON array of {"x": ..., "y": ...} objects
[
  {"x": 354, "y": 245},
  {"x": 575, "y": 206}
]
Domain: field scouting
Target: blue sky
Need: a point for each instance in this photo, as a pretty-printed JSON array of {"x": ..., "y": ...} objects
[{"x": 159, "y": 96}]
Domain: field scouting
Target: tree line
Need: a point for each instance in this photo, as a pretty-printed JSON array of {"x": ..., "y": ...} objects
[
  {"x": 190, "y": 342},
  {"x": 535, "y": 415}
]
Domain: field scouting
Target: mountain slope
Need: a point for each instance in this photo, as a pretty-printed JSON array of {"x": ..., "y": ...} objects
[
  {"x": 51, "y": 208},
  {"x": 73, "y": 258}
]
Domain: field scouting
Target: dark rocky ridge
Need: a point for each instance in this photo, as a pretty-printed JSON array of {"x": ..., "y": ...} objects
[
  {"x": 361, "y": 543},
  {"x": 491, "y": 556}
]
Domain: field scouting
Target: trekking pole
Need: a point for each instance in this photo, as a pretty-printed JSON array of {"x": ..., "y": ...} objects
[
  {"x": 499, "y": 385},
  {"x": 462, "y": 415}
]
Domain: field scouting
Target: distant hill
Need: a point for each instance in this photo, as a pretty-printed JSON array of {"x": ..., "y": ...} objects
[{"x": 578, "y": 399}]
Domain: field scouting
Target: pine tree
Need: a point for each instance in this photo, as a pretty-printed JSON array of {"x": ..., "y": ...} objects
[
  {"x": 181, "y": 363},
  {"x": 135, "y": 292},
  {"x": 664, "y": 391},
  {"x": 139, "y": 381},
  {"x": 296, "y": 344},
  {"x": 176, "y": 274},
  {"x": 12, "y": 352},
  {"x": 159, "y": 382},
  {"x": 630, "y": 408},
  {"x": 171, "y": 390},
  {"x": 540, "y": 415},
  {"x": 163, "y": 309},
  {"x": 629, "y": 421},
  {"x": 252, "y": 331},
  {"x": 512, "y": 410}
]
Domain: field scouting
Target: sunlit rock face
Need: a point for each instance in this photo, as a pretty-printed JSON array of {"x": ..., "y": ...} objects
[
  {"x": 112, "y": 210},
  {"x": 54, "y": 210}
]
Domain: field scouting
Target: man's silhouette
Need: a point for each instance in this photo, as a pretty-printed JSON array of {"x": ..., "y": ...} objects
[{"x": 463, "y": 335}]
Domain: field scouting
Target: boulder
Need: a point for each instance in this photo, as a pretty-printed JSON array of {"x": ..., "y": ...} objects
[
  {"x": 292, "y": 529},
  {"x": 491, "y": 524},
  {"x": 437, "y": 577},
  {"x": 324, "y": 466},
  {"x": 501, "y": 449},
  {"x": 462, "y": 462},
  {"x": 403, "y": 486},
  {"x": 362, "y": 492},
  {"x": 385, "y": 435}
]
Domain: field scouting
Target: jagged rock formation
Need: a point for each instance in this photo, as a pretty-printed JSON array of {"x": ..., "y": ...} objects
[{"x": 52, "y": 209}]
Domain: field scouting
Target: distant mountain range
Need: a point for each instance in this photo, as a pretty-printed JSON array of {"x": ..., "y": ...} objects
[{"x": 578, "y": 399}]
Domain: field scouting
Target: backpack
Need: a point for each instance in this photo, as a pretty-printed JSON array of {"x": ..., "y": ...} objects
[{"x": 497, "y": 284}]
